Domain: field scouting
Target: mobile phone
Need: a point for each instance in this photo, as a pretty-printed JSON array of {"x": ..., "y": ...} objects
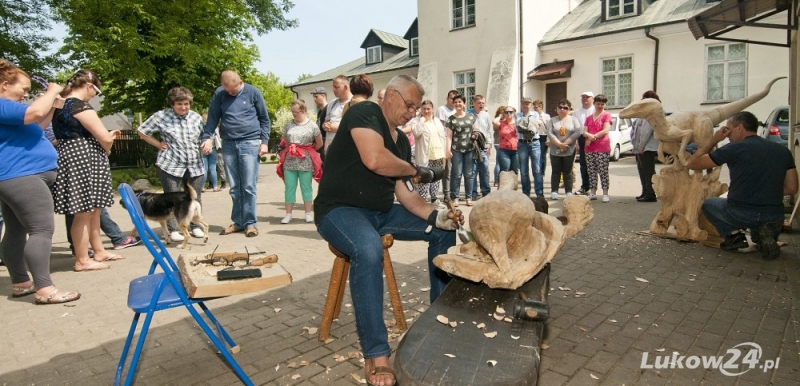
[{"x": 236, "y": 274}]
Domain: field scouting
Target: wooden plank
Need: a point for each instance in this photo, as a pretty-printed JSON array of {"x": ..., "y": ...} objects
[
  {"x": 420, "y": 358},
  {"x": 201, "y": 280}
]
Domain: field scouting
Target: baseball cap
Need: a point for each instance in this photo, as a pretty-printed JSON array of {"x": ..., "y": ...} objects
[
  {"x": 527, "y": 100},
  {"x": 319, "y": 90},
  {"x": 588, "y": 93}
]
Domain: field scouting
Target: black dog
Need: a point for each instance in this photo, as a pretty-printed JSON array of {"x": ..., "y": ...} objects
[{"x": 183, "y": 206}]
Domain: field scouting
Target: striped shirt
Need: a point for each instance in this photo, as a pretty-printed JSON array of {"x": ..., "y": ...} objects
[{"x": 182, "y": 135}]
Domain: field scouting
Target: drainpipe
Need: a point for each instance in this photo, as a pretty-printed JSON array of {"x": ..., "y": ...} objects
[
  {"x": 655, "y": 60},
  {"x": 521, "y": 81}
]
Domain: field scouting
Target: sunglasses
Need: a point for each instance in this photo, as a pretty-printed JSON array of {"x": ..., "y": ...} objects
[
  {"x": 96, "y": 89},
  {"x": 563, "y": 107},
  {"x": 508, "y": 112}
]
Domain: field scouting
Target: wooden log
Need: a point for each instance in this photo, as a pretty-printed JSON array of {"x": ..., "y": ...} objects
[{"x": 201, "y": 281}]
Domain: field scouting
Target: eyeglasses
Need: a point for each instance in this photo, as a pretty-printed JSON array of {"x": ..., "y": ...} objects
[
  {"x": 410, "y": 106},
  {"x": 508, "y": 112},
  {"x": 563, "y": 107},
  {"x": 96, "y": 89}
]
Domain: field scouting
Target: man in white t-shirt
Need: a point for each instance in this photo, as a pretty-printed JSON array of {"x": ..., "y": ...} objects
[
  {"x": 341, "y": 90},
  {"x": 442, "y": 113},
  {"x": 586, "y": 110}
]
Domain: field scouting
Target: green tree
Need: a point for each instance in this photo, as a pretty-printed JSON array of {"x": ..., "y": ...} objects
[
  {"x": 276, "y": 96},
  {"x": 303, "y": 77},
  {"x": 142, "y": 48},
  {"x": 21, "y": 38}
]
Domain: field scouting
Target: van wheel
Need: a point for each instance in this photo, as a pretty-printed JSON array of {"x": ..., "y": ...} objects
[{"x": 615, "y": 154}]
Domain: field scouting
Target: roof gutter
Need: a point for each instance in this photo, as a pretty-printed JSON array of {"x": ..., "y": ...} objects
[
  {"x": 594, "y": 35},
  {"x": 655, "y": 57},
  {"x": 521, "y": 52}
]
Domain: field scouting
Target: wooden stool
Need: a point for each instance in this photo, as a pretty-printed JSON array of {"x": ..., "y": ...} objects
[{"x": 341, "y": 268}]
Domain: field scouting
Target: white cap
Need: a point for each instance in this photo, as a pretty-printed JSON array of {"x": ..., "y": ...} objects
[{"x": 588, "y": 93}]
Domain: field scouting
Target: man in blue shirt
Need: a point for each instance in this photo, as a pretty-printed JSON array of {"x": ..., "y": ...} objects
[
  {"x": 241, "y": 114},
  {"x": 762, "y": 172}
]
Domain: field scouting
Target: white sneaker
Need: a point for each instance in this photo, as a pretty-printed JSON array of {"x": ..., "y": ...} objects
[
  {"x": 176, "y": 236},
  {"x": 569, "y": 194},
  {"x": 606, "y": 198},
  {"x": 287, "y": 218},
  {"x": 309, "y": 217},
  {"x": 554, "y": 196},
  {"x": 197, "y": 232},
  {"x": 592, "y": 196}
]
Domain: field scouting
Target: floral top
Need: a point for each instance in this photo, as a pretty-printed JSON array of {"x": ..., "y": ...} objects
[
  {"x": 462, "y": 130},
  {"x": 65, "y": 126},
  {"x": 300, "y": 134}
]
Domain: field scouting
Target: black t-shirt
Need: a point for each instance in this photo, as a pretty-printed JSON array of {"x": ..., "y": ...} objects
[
  {"x": 758, "y": 168},
  {"x": 346, "y": 181}
]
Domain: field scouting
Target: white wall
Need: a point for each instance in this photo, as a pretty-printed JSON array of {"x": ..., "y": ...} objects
[{"x": 681, "y": 70}]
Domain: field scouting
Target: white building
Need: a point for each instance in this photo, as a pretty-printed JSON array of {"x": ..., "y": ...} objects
[{"x": 551, "y": 49}]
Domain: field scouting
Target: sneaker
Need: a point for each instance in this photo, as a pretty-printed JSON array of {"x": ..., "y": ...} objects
[
  {"x": 286, "y": 218},
  {"x": 582, "y": 192},
  {"x": 606, "y": 198},
  {"x": 569, "y": 194},
  {"x": 554, "y": 196},
  {"x": 592, "y": 196},
  {"x": 767, "y": 244},
  {"x": 733, "y": 241},
  {"x": 309, "y": 217},
  {"x": 176, "y": 236},
  {"x": 197, "y": 232},
  {"x": 129, "y": 242}
]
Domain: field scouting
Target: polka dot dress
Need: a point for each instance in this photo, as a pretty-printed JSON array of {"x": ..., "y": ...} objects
[{"x": 84, "y": 178}]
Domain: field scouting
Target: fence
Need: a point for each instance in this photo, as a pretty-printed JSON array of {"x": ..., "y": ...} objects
[{"x": 130, "y": 151}]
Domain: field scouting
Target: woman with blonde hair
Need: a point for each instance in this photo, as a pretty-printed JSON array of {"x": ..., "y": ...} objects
[
  {"x": 26, "y": 174},
  {"x": 431, "y": 140},
  {"x": 507, "y": 132},
  {"x": 299, "y": 160},
  {"x": 83, "y": 185}
]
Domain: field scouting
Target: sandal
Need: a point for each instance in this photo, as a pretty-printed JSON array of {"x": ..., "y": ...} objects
[
  {"x": 231, "y": 229},
  {"x": 251, "y": 231},
  {"x": 57, "y": 297},
  {"x": 113, "y": 257},
  {"x": 382, "y": 370},
  {"x": 92, "y": 266},
  {"x": 18, "y": 292},
  {"x": 216, "y": 189}
]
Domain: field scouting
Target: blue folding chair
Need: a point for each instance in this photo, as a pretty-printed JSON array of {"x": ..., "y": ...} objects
[{"x": 161, "y": 291}]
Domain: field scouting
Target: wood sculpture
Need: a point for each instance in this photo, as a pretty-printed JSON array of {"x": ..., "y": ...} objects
[
  {"x": 680, "y": 191},
  {"x": 681, "y": 128},
  {"x": 511, "y": 240}
]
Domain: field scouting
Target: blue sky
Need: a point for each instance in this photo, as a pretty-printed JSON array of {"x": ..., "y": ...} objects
[{"x": 329, "y": 34}]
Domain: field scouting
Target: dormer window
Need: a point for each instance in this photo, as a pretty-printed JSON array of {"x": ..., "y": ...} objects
[
  {"x": 620, "y": 8},
  {"x": 414, "y": 47},
  {"x": 374, "y": 55}
]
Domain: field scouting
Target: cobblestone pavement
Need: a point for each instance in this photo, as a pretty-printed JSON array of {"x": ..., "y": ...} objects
[{"x": 693, "y": 301}]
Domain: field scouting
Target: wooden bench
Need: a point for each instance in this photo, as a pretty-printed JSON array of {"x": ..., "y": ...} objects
[
  {"x": 421, "y": 356},
  {"x": 341, "y": 268}
]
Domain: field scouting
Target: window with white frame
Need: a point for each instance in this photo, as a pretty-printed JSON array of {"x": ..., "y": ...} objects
[
  {"x": 620, "y": 8},
  {"x": 414, "y": 45},
  {"x": 726, "y": 72},
  {"x": 464, "y": 83},
  {"x": 463, "y": 13},
  {"x": 617, "y": 80},
  {"x": 374, "y": 54}
]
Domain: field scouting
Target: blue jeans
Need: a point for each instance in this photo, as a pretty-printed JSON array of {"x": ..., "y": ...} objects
[
  {"x": 241, "y": 166},
  {"x": 107, "y": 225},
  {"x": 508, "y": 161},
  {"x": 462, "y": 163},
  {"x": 496, "y": 164},
  {"x": 529, "y": 154},
  {"x": 727, "y": 219},
  {"x": 482, "y": 169},
  {"x": 356, "y": 232},
  {"x": 210, "y": 165}
]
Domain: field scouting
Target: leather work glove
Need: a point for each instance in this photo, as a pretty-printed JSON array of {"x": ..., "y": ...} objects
[
  {"x": 424, "y": 176},
  {"x": 445, "y": 219}
]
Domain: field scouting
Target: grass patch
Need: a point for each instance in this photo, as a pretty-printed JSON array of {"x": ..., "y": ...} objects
[{"x": 130, "y": 175}]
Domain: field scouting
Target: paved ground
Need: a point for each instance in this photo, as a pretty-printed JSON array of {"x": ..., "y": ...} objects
[{"x": 697, "y": 301}]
